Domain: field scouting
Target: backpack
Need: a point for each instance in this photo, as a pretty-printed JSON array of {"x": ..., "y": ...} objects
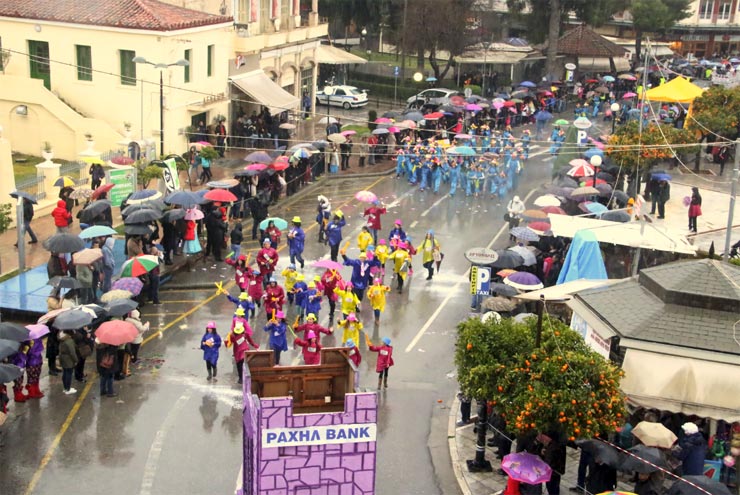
[{"x": 107, "y": 361}]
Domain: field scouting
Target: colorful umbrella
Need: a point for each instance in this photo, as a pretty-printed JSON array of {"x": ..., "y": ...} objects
[
  {"x": 547, "y": 200},
  {"x": 463, "y": 136},
  {"x": 102, "y": 190},
  {"x": 582, "y": 170},
  {"x": 592, "y": 207},
  {"x": 139, "y": 265},
  {"x": 523, "y": 281},
  {"x": 97, "y": 231},
  {"x": 304, "y": 153},
  {"x": 505, "y": 272},
  {"x": 608, "y": 78},
  {"x": 64, "y": 181},
  {"x": 256, "y": 167},
  {"x": 258, "y": 157},
  {"x": 539, "y": 228},
  {"x": 629, "y": 95},
  {"x": 366, "y": 196},
  {"x": 51, "y": 315},
  {"x": 220, "y": 195},
  {"x": 327, "y": 264},
  {"x": 193, "y": 214},
  {"x": 554, "y": 210},
  {"x": 87, "y": 256},
  {"x": 534, "y": 215},
  {"x": 280, "y": 165},
  {"x": 348, "y": 132},
  {"x": 383, "y": 120},
  {"x": 279, "y": 223},
  {"x": 82, "y": 193},
  {"x": 116, "y": 332},
  {"x": 130, "y": 284},
  {"x": 37, "y": 330},
  {"x": 527, "y": 468}
]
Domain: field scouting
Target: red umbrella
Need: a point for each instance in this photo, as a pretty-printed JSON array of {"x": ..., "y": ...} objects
[
  {"x": 259, "y": 167},
  {"x": 434, "y": 116},
  {"x": 457, "y": 101},
  {"x": 280, "y": 165},
  {"x": 116, "y": 332},
  {"x": 102, "y": 189},
  {"x": 221, "y": 195},
  {"x": 555, "y": 210},
  {"x": 539, "y": 227},
  {"x": 591, "y": 81},
  {"x": 509, "y": 103},
  {"x": 591, "y": 182}
]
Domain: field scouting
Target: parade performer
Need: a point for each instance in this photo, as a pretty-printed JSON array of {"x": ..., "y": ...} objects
[
  {"x": 254, "y": 288},
  {"x": 360, "y": 274},
  {"x": 428, "y": 247},
  {"x": 385, "y": 359},
  {"x": 396, "y": 235},
  {"x": 311, "y": 348},
  {"x": 240, "y": 270},
  {"x": 329, "y": 282},
  {"x": 277, "y": 328},
  {"x": 296, "y": 242},
  {"x": 376, "y": 294},
  {"x": 381, "y": 254},
  {"x": 274, "y": 298},
  {"x": 243, "y": 301},
  {"x": 373, "y": 215},
  {"x": 348, "y": 299},
  {"x": 210, "y": 344},
  {"x": 34, "y": 361},
  {"x": 401, "y": 265},
  {"x": 290, "y": 276},
  {"x": 311, "y": 326},
  {"x": 364, "y": 239},
  {"x": 334, "y": 233},
  {"x": 300, "y": 289},
  {"x": 322, "y": 216},
  {"x": 351, "y": 328},
  {"x": 312, "y": 303},
  {"x": 273, "y": 234},
  {"x": 267, "y": 259},
  {"x": 241, "y": 342}
]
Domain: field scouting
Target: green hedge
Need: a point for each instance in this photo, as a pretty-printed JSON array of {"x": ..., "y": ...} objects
[{"x": 384, "y": 90}]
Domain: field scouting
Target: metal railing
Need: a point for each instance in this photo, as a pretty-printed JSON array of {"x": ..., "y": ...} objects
[{"x": 33, "y": 186}]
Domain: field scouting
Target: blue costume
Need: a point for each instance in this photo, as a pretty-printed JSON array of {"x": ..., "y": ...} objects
[
  {"x": 210, "y": 353},
  {"x": 296, "y": 241},
  {"x": 241, "y": 303},
  {"x": 278, "y": 340}
]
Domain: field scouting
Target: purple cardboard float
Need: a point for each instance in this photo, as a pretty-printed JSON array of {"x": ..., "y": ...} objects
[{"x": 317, "y": 453}]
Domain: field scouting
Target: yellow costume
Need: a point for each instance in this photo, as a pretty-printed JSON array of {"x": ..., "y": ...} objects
[
  {"x": 291, "y": 277},
  {"x": 376, "y": 294},
  {"x": 401, "y": 263},
  {"x": 348, "y": 301},
  {"x": 427, "y": 248},
  {"x": 381, "y": 252},
  {"x": 351, "y": 330},
  {"x": 364, "y": 240}
]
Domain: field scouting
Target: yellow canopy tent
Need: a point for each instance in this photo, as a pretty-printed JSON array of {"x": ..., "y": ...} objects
[{"x": 678, "y": 90}]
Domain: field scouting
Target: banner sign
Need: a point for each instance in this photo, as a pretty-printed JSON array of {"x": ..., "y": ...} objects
[
  {"x": 170, "y": 175},
  {"x": 125, "y": 184},
  {"x": 318, "y": 435}
]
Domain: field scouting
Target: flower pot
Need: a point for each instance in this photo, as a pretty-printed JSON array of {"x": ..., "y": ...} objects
[{"x": 47, "y": 155}]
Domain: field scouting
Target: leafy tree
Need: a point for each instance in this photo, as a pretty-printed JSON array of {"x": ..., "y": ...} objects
[
  {"x": 656, "y": 16},
  {"x": 360, "y": 13},
  {"x": 563, "y": 384},
  {"x": 550, "y": 13},
  {"x": 715, "y": 112}
]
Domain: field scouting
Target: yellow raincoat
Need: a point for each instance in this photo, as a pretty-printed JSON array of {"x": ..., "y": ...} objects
[
  {"x": 381, "y": 252},
  {"x": 348, "y": 301},
  {"x": 401, "y": 263},
  {"x": 376, "y": 294},
  {"x": 290, "y": 278},
  {"x": 364, "y": 240},
  {"x": 427, "y": 248},
  {"x": 351, "y": 330}
]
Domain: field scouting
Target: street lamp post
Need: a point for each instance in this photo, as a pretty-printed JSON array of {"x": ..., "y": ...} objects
[
  {"x": 161, "y": 67},
  {"x": 367, "y": 44},
  {"x": 487, "y": 45},
  {"x": 615, "y": 109},
  {"x": 595, "y": 163}
]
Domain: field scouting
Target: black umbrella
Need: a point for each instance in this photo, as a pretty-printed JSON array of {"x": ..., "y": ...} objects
[
  {"x": 64, "y": 243},
  {"x": 96, "y": 208},
  {"x": 142, "y": 206},
  {"x": 391, "y": 114},
  {"x": 621, "y": 197},
  {"x": 605, "y": 176},
  {"x": 72, "y": 319},
  {"x": 173, "y": 215},
  {"x": 567, "y": 182},
  {"x": 143, "y": 216},
  {"x": 616, "y": 216},
  {"x": 24, "y": 195},
  {"x": 186, "y": 199},
  {"x": 503, "y": 290},
  {"x": 12, "y": 331},
  {"x": 605, "y": 190},
  {"x": 138, "y": 229},
  {"x": 120, "y": 307},
  {"x": 9, "y": 372},
  {"x": 8, "y": 348},
  {"x": 640, "y": 454},
  {"x": 59, "y": 282},
  {"x": 600, "y": 450},
  {"x": 507, "y": 259},
  {"x": 681, "y": 487}
]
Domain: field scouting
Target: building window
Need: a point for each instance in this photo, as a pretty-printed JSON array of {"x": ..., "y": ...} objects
[
  {"x": 724, "y": 10},
  {"x": 306, "y": 80},
  {"x": 128, "y": 67},
  {"x": 706, "y": 7},
  {"x": 38, "y": 56},
  {"x": 188, "y": 57},
  {"x": 209, "y": 67},
  {"x": 84, "y": 62}
]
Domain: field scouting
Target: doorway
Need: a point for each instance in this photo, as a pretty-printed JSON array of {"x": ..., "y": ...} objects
[{"x": 38, "y": 52}]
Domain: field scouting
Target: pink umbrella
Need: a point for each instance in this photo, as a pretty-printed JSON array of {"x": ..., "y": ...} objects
[
  {"x": 193, "y": 214},
  {"x": 366, "y": 196},
  {"x": 472, "y": 107},
  {"x": 578, "y": 162},
  {"x": 409, "y": 124},
  {"x": 348, "y": 133},
  {"x": 393, "y": 129},
  {"x": 629, "y": 95},
  {"x": 463, "y": 136},
  {"x": 116, "y": 332},
  {"x": 498, "y": 105},
  {"x": 383, "y": 120},
  {"x": 328, "y": 264},
  {"x": 256, "y": 166},
  {"x": 37, "y": 331}
]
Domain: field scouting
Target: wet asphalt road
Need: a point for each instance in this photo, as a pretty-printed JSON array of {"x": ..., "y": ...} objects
[{"x": 171, "y": 432}]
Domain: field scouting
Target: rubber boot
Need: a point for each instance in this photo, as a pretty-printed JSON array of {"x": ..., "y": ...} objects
[
  {"x": 215, "y": 372},
  {"x": 380, "y": 383},
  {"x": 209, "y": 375},
  {"x": 385, "y": 381},
  {"x": 19, "y": 397},
  {"x": 33, "y": 391}
]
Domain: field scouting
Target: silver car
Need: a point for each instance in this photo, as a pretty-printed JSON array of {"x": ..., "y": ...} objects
[{"x": 432, "y": 97}]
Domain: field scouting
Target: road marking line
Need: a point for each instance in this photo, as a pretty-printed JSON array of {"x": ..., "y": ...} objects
[
  {"x": 414, "y": 224},
  {"x": 426, "y": 212},
  {"x": 155, "y": 451},
  {"x": 76, "y": 407},
  {"x": 58, "y": 438},
  {"x": 453, "y": 292}
]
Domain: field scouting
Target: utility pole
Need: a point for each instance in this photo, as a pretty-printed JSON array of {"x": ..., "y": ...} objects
[
  {"x": 403, "y": 42},
  {"x": 731, "y": 213}
]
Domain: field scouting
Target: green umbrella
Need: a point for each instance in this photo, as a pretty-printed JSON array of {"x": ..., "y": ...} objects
[
  {"x": 561, "y": 122},
  {"x": 279, "y": 223},
  {"x": 139, "y": 265}
]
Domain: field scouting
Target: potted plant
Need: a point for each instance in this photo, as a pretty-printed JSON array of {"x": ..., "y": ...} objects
[
  {"x": 209, "y": 153},
  {"x": 127, "y": 126},
  {"x": 88, "y": 136},
  {"x": 47, "y": 152}
]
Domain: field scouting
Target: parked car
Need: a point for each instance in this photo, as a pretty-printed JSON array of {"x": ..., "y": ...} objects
[
  {"x": 342, "y": 96},
  {"x": 432, "y": 97}
]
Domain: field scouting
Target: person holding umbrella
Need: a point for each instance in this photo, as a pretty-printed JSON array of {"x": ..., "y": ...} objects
[{"x": 105, "y": 358}]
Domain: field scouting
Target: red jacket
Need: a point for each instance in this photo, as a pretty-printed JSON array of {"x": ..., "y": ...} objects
[
  {"x": 385, "y": 356},
  {"x": 306, "y": 327},
  {"x": 354, "y": 355},
  {"x": 189, "y": 231},
  {"x": 267, "y": 258},
  {"x": 311, "y": 351},
  {"x": 274, "y": 298},
  {"x": 254, "y": 286},
  {"x": 373, "y": 217},
  {"x": 61, "y": 216}
]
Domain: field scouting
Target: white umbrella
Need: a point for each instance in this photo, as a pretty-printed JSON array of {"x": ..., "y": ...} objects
[
  {"x": 328, "y": 120},
  {"x": 337, "y": 138},
  {"x": 547, "y": 200}
]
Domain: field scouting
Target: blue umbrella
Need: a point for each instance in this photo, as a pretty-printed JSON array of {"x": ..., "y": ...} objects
[
  {"x": 96, "y": 231},
  {"x": 593, "y": 152},
  {"x": 186, "y": 199},
  {"x": 461, "y": 150},
  {"x": 596, "y": 208},
  {"x": 144, "y": 194},
  {"x": 661, "y": 176},
  {"x": 258, "y": 157},
  {"x": 543, "y": 115},
  {"x": 279, "y": 223},
  {"x": 527, "y": 84},
  {"x": 607, "y": 79},
  {"x": 23, "y": 194}
]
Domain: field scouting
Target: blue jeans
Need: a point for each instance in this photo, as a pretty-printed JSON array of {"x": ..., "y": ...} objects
[
  {"x": 27, "y": 228},
  {"x": 297, "y": 256},
  {"x": 237, "y": 249},
  {"x": 106, "y": 383},
  {"x": 67, "y": 377}
]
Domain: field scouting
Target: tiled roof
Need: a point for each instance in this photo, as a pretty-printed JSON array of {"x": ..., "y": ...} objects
[
  {"x": 583, "y": 42},
  {"x": 125, "y": 14},
  {"x": 642, "y": 313}
]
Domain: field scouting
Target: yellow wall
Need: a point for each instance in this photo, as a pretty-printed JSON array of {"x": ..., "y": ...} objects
[{"x": 105, "y": 98}]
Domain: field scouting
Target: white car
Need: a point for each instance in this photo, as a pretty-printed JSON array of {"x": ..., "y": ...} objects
[
  {"x": 342, "y": 96},
  {"x": 432, "y": 97}
]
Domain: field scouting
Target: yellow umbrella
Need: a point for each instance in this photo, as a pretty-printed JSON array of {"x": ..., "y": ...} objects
[
  {"x": 93, "y": 160},
  {"x": 64, "y": 181}
]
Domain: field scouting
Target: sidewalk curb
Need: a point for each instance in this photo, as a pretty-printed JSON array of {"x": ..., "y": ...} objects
[{"x": 452, "y": 443}]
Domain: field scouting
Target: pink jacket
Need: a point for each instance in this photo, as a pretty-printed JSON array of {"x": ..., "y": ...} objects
[
  {"x": 385, "y": 356},
  {"x": 311, "y": 351}
]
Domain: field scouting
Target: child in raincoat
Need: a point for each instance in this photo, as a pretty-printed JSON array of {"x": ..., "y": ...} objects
[
  {"x": 401, "y": 264},
  {"x": 347, "y": 299},
  {"x": 290, "y": 275},
  {"x": 240, "y": 317},
  {"x": 329, "y": 281},
  {"x": 243, "y": 301},
  {"x": 311, "y": 348},
  {"x": 254, "y": 289},
  {"x": 240, "y": 271},
  {"x": 428, "y": 247},
  {"x": 274, "y": 298},
  {"x": 241, "y": 341},
  {"x": 356, "y": 358},
  {"x": 311, "y": 326},
  {"x": 351, "y": 328},
  {"x": 210, "y": 344},
  {"x": 385, "y": 359},
  {"x": 376, "y": 294},
  {"x": 313, "y": 299},
  {"x": 364, "y": 239},
  {"x": 300, "y": 289},
  {"x": 277, "y": 327},
  {"x": 381, "y": 254}
]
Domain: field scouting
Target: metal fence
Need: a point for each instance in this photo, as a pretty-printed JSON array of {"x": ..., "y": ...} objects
[{"x": 33, "y": 186}]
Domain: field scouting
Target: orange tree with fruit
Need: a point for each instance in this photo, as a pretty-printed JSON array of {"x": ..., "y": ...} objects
[{"x": 561, "y": 384}]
